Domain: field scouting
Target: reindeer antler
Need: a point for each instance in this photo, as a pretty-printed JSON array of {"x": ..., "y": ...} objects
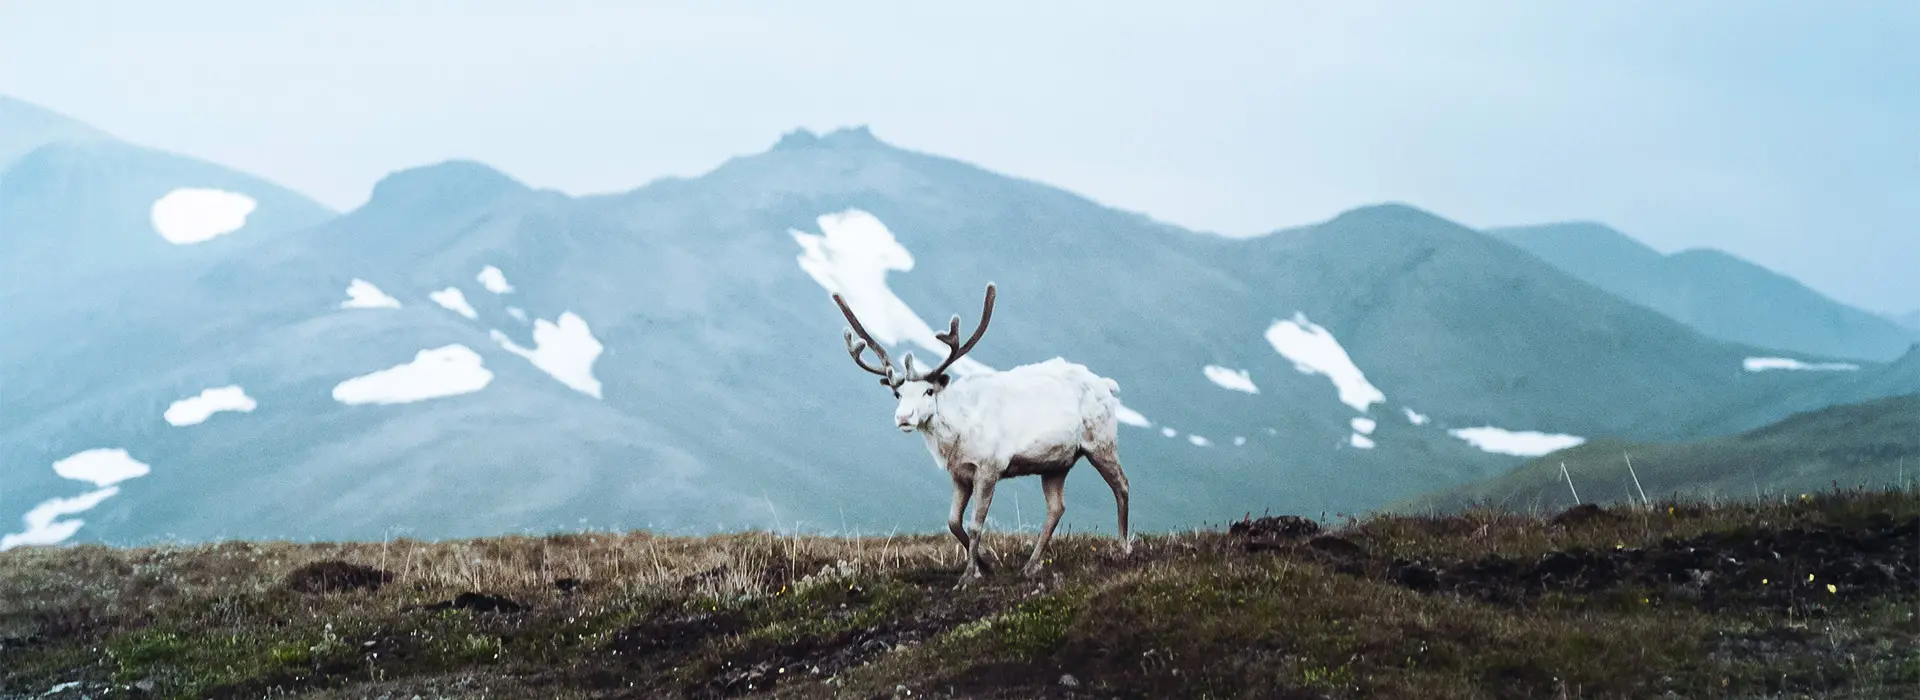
[
  {"x": 857, "y": 349},
  {"x": 956, "y": 349}
]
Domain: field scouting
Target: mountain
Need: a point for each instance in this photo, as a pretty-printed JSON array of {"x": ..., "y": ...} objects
[
  {"x": 1911, "y": 320},
  {"x": 25, "y": 127},
  {"x": 1873, "y": 444},
  {"x": 467, "y": 355},
  {"x": 1714, "y": 292},
  {"x": 78, "y": 205}
]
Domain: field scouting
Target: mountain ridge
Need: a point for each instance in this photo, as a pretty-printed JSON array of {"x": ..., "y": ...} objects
[
  {"x": 1714, "y": 291},
  {"x": 81, "y": 206},
  {"x": 25, "y": 126},
  {"x": 728, "y": 397}
]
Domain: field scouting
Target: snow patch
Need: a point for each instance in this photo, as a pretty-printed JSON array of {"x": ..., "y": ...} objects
[
  {"x": 1199, "y": 441},
  {"x": 1360, "y": 441},
  {"x": 448, "y": 370},
  {"x": 44, "y": 526},
  {"x": 851, "y": 256},
  {"x": 1231, "y": 379},
  {"x": 1763, "y": 364},
  {"x": 1520, "y": 443},
  {"x": 1169, "y": 432},
  {"x": 190, "y": 215},
  {"x": 494, "y": 280},
  {"x": 565, "y": 351},
  {"x": 102, "y": 467},
  {"x": 195, "y": 410},
  {"x": 1313, "y": 350},
  {"x": 454, "y": 301},
  {"x": 361, "y": 294},
  {"x": 1414, "y": 417},
  {"x": 1363, "y": 426}
]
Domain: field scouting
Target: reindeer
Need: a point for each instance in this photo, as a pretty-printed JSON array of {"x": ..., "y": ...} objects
[{"x": 1036, "y": 419}]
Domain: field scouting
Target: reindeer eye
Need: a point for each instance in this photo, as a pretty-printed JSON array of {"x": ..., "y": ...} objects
[{"x": 929, "y": 391}]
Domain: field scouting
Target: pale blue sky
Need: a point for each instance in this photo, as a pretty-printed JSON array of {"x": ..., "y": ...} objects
[{"x": 1786, "y": 132}]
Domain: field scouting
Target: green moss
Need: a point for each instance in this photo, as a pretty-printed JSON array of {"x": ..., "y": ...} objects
[
  {"x": 481, "y": 648},
  {"x": 189, "y": 663},
  {"x": 828, "y": 611},
  {"x": 1035, "y": 628}
]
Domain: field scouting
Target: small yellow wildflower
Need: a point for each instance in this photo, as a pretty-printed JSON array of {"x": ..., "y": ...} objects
[
  {"x": 1832, "y": 589},
  {"x": 1763, "y": 582}
]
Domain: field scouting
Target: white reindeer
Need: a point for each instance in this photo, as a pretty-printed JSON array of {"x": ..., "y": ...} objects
[{"x": 1037, "y": 419}]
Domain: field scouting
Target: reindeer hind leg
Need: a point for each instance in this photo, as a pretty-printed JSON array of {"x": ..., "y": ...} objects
[{"x": 1105, "y": 458}]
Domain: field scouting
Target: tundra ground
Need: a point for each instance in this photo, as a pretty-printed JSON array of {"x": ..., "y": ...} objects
[{"x": 1815, "y": 596}]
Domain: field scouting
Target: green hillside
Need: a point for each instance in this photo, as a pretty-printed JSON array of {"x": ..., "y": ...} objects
[{"x": 1868, "y": 444}]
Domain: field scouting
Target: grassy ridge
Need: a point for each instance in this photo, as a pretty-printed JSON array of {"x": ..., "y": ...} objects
[
  {"x": 1868, "y": 444},
  {"x": 1591, "y": 604}
]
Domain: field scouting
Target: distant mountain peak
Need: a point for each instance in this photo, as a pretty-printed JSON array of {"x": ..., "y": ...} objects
[
  {"x": 455, "y": 182},
  {"x": 1714, "y": 291},
  {"x": 1582, "y": 238},
  {"x": 1390, "y": 216},
  {"x": 15, "y": 112},
  {"x": 796, "y": 140},
  {"x": 845, "y": 137},
  {"x": 25, "y": 126}
]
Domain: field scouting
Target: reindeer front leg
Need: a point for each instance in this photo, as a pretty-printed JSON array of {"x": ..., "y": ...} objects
[
  {"x": 961, "y": 492},
  {"x": 1054, "y": 486},
  {"x": 984, "y": 479}
]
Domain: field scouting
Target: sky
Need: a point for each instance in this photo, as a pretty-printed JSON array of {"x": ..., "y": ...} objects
[{"x": 1785, "y": 132}]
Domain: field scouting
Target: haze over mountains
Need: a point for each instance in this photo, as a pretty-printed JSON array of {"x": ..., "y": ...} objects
[
  {"x": 76, "y": 204},
  {"x": 1715, "y": 293},
  {"x": 467, "y": 355}
]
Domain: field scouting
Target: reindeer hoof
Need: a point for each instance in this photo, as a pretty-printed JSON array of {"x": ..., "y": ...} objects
[
  {"x": 1031, "y": 570},
  {"x": 968, "y": 579}
]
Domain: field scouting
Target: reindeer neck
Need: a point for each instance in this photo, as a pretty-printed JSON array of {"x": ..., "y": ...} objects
[{"x": 942, "y": 428}]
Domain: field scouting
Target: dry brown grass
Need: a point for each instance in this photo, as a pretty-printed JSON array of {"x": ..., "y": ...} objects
[{"x": 755, "y": 614}]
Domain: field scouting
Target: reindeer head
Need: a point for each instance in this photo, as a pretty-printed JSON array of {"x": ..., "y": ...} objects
[{"x": 918, "y": 393}]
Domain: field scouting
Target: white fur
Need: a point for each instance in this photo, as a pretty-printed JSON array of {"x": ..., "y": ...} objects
[
  {"x": 1046, "y": 411},
  {"x": 1037, "y": 419}
]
